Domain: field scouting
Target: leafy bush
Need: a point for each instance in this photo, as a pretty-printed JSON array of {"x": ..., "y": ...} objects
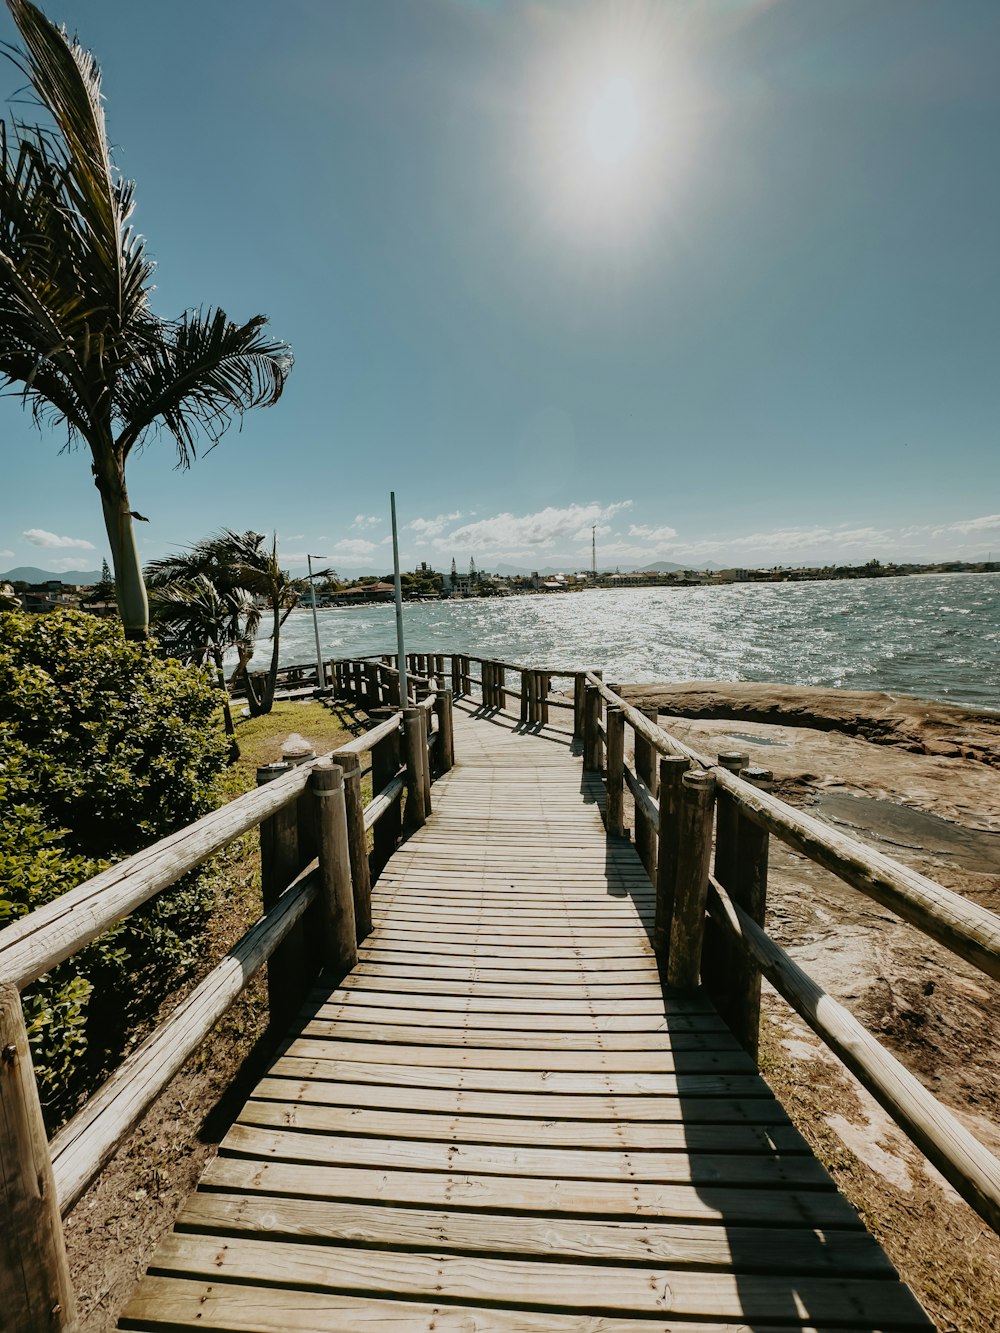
[{"x": 104, "y": 748}]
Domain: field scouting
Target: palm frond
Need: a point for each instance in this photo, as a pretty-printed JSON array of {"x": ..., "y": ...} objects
[{"x": 196, "y": 375}]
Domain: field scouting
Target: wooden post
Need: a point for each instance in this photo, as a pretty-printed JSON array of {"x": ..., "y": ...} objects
[
  {"x": 646, "y": 772},
  {"x": 523, "y": 697},
  {"x": 544, "y": 685},
  {"x": 372, "y": 696},
  {"x": 672, "y": 769},
  {"x": 591, "y": 740},
  {"x": 35, "y": 1289},
  {"x": 446, "y": 731},
  {"x": 616, "y": 771},
  {"x": 439, "y": 670},
  {"x": 413, "y": 731},
  {"x": 425, "y": 756},
  {"x": 357, "y": 842},
  {"x": 748, "y": 888},
  {"x": 456, "y": 675},
  {"x": 466, "y": 675},
  {"x": 718, "y": 954},
  {"x": 385, "y": 766},
  {"x": 687, "y": 926},
  {"x": 579, "y": 707},
  {"x": 339, "y": 930},
  {"x": 499, "y": 685},
  {"x": 279, "y": 864}
]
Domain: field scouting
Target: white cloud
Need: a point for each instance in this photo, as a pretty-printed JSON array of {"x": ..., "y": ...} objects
[
  {"x": 508, "y": 535},
  {"x": 6, "y": 555},
  {"x": 63, "y": 562},
  {"x": 53, "y": 542},
  {"x": 966, "y": 525},
  {"x": 354, "y": 546},
  {"x": 426, "y": 528},
  {"x": 652, "y": 534},
  {"x": 365, "y": 521}
]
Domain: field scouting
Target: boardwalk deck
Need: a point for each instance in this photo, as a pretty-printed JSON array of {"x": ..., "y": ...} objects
[{"x": 499, "y": 1122}]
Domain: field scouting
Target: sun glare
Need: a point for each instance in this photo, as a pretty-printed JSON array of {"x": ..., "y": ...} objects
[
  {"x": 611, "y": 125},
  {"x": 613, "y": 122}
]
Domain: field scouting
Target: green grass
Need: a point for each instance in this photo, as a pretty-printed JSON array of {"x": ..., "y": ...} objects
[{"x": 260, "y": 738}]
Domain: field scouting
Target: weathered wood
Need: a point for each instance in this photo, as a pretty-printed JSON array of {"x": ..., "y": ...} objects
[
  {"x": 717, "y": 958},
  {"x": 446, "y": 754},
  {"x": 647, "y": 810},
  {"x": 545, "y": 686},
  {"x": 671, "y": 773},
  {"x": 337, "y": 893},
  {"x": 425, "y": 754},
  {"x": 687, "y": 924},
  {"x": 280, "y": 862},
  {"x": 615, "y": 771},
  {"x": 591, "y": 720},
  {"x": 35, "y": 1288},
  {"x": 960, "y": 1158},
  {"x": 969, "y": 930},
  {"x": 748, "y": 888},
  {"x": 95, "y": 1133},
  {"x": 357, "y": 841},
  {"x": 646, "y": 772},
  {"x": 382, "y": 805},
  {"x": 386, "y": 758},
  {"x": 53, "y": 932},
  {"x": 413, "y": 733}
]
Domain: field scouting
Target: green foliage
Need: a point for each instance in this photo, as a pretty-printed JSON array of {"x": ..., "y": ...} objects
[{"x": 104, "y": 748}]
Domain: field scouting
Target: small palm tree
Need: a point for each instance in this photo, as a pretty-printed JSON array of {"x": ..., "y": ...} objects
[
  {"x": 247, "y": 564},
  {"x": 200, "y": 621},
  {"x": 76, "y": 328}
]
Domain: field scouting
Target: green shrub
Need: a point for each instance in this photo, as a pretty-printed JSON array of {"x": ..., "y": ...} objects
[{"x": 104, "y": 748}]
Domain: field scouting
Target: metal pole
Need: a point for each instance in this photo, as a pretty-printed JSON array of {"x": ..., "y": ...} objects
[
  {"x": 401, "y": 651},
  {"x": 320, "y": 673}
]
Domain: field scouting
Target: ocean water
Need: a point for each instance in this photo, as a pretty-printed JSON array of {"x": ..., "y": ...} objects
[{"x": 933, "y": 636}]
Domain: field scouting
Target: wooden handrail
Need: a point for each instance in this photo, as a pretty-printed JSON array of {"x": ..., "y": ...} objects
[
  {"x": 964, "y": 927},
  {"x": 82, "y": 1147},
  {"x": 961, "y": 1158},
  {"x": 33, "y": 945}
]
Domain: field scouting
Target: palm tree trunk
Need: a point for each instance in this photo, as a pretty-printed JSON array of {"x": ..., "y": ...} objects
[
  {"x": 272, "y": 675},
  {"x": 130, "y": 589}
]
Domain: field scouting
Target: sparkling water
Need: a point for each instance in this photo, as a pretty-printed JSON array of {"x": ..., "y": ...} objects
[{"x": 936, "y": 636}]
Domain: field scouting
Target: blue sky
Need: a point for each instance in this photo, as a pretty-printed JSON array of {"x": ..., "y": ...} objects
[{"x": 722, "y": 278}]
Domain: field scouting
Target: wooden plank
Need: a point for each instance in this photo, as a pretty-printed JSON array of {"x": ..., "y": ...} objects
[
  {"x": 172, "y": 1303},
  {"x": 522, "y": 1036},
  {"x": 543, "y": 1058},
  {"x": 586, "y": 1081},
  {"x": 585, "y": 1287},
  {"x": 617, "y": 1109},
  {"x": 764, "y": 1169},
  {"x": 731, "y": 1206},
  {"x": 394, "y": 1122},
  {"x": 742, "y": 1249}
]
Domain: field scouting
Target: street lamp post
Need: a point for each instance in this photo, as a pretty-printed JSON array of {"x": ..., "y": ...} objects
[{"x": 320, "y": 673}]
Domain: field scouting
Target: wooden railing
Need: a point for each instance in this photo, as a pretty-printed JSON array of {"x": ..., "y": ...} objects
[{"x": 316, "y": 874}]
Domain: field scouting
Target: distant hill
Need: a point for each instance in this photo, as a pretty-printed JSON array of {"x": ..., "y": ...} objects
[
  {"x": 29, "y": 574},
  {"x": 665, "y": 567}
]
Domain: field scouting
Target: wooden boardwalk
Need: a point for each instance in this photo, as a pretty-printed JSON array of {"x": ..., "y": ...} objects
[{"x": 499, "y": 1122}]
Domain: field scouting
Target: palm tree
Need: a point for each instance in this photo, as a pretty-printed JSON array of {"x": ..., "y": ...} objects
[
  {"x": 76, "y": 328},
  {"x": 199, "y": 621},
  {"x": 255, "y": 564},
  {"x": 239, "y": 563}
]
